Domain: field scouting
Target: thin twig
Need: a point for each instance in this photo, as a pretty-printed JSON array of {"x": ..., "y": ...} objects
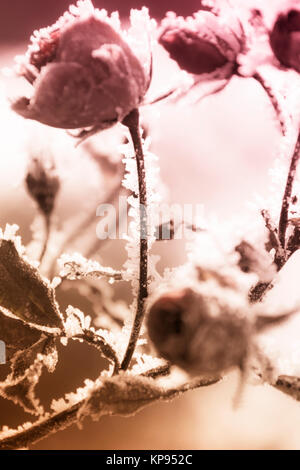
[
  {"x": 284, "y": 215},
  {"x": 160, "y": 371},
  {"x": 275, "y": 103},
  {"x": 47, "y": 219},
  {"x": 132, "y": 122}
]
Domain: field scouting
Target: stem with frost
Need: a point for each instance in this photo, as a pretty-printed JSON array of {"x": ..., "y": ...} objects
[
  {"x": 132, "y": 122},
  {"x": 283, "y": 221}
]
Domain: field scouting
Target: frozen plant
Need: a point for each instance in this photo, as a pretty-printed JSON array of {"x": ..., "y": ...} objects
[{"x": 206, "y": 317}]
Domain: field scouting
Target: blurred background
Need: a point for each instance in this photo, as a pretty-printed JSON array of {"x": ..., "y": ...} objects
[
  {"x": 19, "y": 19},
  {"x": 216, "y": 153}
]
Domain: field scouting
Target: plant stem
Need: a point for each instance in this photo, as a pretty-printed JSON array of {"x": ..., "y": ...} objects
[
  {"x": 278, "y": 237},
  {"x": 284, "y": 215},
  {"x": 268, "y": 89},
  {"x": 47, "y": 235},
  {"x": 132, "y": 122}
]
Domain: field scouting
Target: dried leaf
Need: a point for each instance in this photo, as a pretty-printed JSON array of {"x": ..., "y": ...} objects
[
  {"x": 16, "y": 335},
  {"x": 26, "y": 371},
  {"x": 23, "y": 291}
]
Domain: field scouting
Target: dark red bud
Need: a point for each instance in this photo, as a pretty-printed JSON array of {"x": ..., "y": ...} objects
[
  {"x": 285, "y": 39},
  {"x": 191, "y": 52},
  {"x": 42, "y": 185}
]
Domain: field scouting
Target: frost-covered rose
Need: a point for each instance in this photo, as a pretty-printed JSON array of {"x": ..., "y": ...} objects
[
  {"x": 285, "y": 39},
  {"x": 83, "y": 71},
  {"x": 203, "y": 43}
]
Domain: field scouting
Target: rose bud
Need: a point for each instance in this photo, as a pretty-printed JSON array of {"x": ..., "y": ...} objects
[
  {"x": 186, "y": 330},
  {"x": 207, "y": 333},
  {"x": 201, "y": 44},
  {"x": 43, "y": 185},
  {"x": 285, "y": 39},
  {"x": 83, "y": 72}
]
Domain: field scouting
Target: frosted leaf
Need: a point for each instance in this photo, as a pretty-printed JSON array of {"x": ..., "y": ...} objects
[
  {"x": 10, "y": 234},
  {"x": 77, "y": 267},
  {"x": 16, "y": 335},
  {"x": 115, "y": 340},
  {"x": 56, "y": 281},
  {"x": 23, "y": 290},
  {"x": 64, "y": 341},
  {"x": 144, "y": 363},
  {"x": 73, "y": 398},
  {"x": 26, "y": 369},
  {"x": 74, "y": 323},
  {"x": 125, "y": 395}
]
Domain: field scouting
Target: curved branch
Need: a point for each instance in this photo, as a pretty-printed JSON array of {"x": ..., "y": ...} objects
[{"x": 60, "y": 421}]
